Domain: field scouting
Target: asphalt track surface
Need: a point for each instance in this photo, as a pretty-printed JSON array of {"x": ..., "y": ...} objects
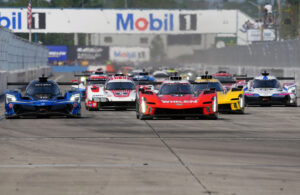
[{"x": 111, "y": 152}]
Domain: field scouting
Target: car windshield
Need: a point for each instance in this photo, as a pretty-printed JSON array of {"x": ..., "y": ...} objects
[
  {"x": 208, "y": 85},
  {"x": 161, "y": 75},
  {"x": 42, "y": 88},
  {"x": 224, "y": 79},
  {"x": 273, "y": 83},
  {"x": 120, "y": 86},
  {"x": 175, "y": 89}
]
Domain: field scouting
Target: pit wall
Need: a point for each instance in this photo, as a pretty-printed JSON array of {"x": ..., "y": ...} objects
[{"x": 22, "y": 76}]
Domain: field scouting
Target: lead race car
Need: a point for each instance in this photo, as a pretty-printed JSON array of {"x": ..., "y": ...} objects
[
  {"x": 118, "y": 92},
  {"x": 266, "y": 90},
  {"x": 175, "y": 98},
  {"x": 42, "y": 97}
]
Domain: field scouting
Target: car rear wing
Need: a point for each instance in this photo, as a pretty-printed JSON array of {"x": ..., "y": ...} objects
[
  {"x": 17, "y": 83},
  {"x": 147, "y": 83},
  {"x": 286, "y": 78},
  {"x": 96, "y": 81},
  {"x": 26, "y": 83},
  {"x": 251, "y": 78}
]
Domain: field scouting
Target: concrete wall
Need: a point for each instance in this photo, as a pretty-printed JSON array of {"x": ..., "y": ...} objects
[
  {"x": 3, "y": 81},
  {"x": 22, "y": 76}
]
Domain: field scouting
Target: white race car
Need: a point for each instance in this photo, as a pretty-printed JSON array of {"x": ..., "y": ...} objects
[
  {"x": 266, "y": 90},
  {"x": 118, "y": 92}
]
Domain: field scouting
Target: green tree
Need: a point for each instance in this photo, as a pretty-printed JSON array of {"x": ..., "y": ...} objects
[{"x": 289, "y": 26}]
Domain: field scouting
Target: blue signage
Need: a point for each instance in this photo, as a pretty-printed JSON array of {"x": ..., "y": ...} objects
[{"x": 57, "y": 53}]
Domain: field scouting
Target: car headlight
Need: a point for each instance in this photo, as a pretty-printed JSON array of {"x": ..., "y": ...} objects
[
  {"x": 215, "y": 104},
  {"x": 82, "y": 79},
  {"x": 241, "y": 102},
  {"x": 10, "y": 98},
  {"x": 75, "y": 98},
  {"x": 143, "y": 105}
]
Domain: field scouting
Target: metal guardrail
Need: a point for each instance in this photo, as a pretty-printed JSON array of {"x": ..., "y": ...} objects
[
  {"x": 18, "y": 54},
  {"x": 282, "y": 54}
]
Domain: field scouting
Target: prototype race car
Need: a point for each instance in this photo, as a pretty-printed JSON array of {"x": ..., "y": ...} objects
[
  {"x": 231, "y": 100},
  {"x": 160, "y": 76},
  {"x": 42, "y": 98},
  {"x": 142, "y": 76},
  {"x": 81, "y": 85},
  {"x": 118, "y": 92},
  {"x": 175, "y": 98},
  {"x": 266, "y": 90}
]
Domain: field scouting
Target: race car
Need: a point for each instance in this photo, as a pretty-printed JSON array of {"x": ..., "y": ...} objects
[
  {"x": 160, "y": 76},
  {"x": 118, "y": 92},
  {"x": 265, "y": 90},
  {"x": 175, "y": 98},
  {"x": 230, "y": 100},
  {"x": 42, "y": 98},
  {"x": 142, "y": 76},
  {"x": 81, "y": 85}
]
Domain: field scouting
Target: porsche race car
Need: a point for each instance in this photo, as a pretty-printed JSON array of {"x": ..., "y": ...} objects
[
  {"x": 42, "y": 98},
  {"x": 118, "y": 92}
]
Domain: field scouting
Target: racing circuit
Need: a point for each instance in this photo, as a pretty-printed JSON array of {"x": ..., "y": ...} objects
[{"x": 112, "y": 152}]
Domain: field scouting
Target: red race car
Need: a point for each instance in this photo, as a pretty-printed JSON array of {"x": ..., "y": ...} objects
[{"x": 176, "y": 98}]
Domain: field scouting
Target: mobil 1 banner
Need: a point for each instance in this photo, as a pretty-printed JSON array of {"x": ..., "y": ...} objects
[
  {"x": 130, "y": 21},
  {"x": 129, "y": 54}
]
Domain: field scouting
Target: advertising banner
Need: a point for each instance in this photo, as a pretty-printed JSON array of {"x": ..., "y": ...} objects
[
  {"x": 88, "y": 54},
  {"x": 255, "y": 35},
  {"x": 129, "y": 54},
  {"x": 131, "y": 21},
  {"x": 57, "y": 53}
]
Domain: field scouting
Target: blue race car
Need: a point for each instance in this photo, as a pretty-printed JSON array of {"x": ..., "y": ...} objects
[
  {"x": 142, "y": 76},
  {"x": 42, "y": 98}
]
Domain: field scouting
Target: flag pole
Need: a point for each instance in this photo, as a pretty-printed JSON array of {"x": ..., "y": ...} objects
[
  {"x": 30, "y": 35},
  {"x": 29, "y": 19}
]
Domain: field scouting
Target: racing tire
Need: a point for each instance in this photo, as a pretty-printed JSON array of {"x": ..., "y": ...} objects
[
  {"x": 213, "y": 116},
  {"x": 11, "y": 117},
  {"x": 242, "y": 111}
]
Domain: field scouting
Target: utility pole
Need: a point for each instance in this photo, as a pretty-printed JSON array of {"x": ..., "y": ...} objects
[
  {"x": 125, "y": 4},
  {"x": 278, "y": 20}
]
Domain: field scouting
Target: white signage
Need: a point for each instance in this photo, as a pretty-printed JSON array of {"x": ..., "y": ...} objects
[
  {"x": 121, "y": 21},
  {"x": 257, "y": 35},
  {"x": 129, "y": 54}
]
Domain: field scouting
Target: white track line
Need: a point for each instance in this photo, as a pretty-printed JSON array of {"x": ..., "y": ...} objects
[
  {"x": 100, "y": 165},
  {"x": 58, "y": 78}
]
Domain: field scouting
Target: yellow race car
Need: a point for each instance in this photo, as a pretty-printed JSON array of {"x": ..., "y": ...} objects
[{"x": 231, "y": 100}]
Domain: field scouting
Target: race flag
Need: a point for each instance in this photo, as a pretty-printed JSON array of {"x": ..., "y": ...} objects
[{"x": 29, "y": 14}]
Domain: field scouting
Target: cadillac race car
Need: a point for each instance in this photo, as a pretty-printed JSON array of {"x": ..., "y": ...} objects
[
  {"x": 175, "y": 98},
  {"x": 231, "y": 100},
  {"x": 42, "y": 98},
  {"x": 266, "y": 90},
  {"x": 118, "y": 92}
]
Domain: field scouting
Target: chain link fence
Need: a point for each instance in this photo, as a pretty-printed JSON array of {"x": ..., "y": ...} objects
[
  {"x": 18, "y": 54},
  {"x": 283, "y": 54}
]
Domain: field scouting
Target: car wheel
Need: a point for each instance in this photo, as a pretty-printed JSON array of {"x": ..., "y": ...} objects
[
  {"x": 213, "y": 116},
  {"x": 11, "y": 117}
]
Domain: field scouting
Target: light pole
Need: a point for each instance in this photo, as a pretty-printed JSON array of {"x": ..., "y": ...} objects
[{"x": 125, "y": 4}]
